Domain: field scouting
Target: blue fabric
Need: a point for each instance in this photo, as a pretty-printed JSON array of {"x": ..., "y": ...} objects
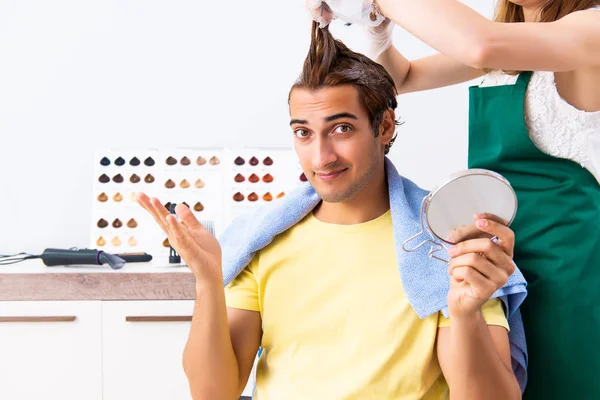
[{"x": 425, "y": 280}]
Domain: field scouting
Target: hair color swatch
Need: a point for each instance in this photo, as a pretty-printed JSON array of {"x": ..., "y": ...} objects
[{"x": 215, "y": 184}]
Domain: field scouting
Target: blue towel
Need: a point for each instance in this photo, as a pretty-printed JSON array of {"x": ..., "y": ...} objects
[{"x": 425, "y": 280}]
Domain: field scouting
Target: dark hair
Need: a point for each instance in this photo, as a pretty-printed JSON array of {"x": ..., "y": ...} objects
[{"x": 330, "y": 63}]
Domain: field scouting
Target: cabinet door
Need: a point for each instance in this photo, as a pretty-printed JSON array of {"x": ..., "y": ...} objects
[
  {"x": 50, "y": 350},
  {"x": 143, "y": 344}
]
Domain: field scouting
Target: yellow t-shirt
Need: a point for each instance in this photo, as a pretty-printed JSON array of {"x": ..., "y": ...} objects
[{"x": 336, "y": 321}]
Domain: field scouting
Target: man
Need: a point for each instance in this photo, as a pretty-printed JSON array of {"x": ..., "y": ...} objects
[{"x": 324, "y": 299}]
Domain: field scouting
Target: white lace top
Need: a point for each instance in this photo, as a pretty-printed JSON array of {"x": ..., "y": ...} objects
[{"x": 556, "y": 127}]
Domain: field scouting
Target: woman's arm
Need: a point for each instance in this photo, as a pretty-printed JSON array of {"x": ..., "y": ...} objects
[
  {"x": 467, "y": 37},
  {"x": 425, "y": 73}
]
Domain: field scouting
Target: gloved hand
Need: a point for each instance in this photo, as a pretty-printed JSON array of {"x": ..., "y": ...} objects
[
  {"x": 360, "y": 12},
  {"x": 319, "y": 11},
  {"x": 379, "y": 38}
]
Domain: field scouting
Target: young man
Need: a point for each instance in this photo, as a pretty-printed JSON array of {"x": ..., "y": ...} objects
[{"x": 324, "y": 299}]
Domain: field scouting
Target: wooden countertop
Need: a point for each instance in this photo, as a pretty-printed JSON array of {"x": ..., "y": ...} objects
[{"x": 156, "y": 280}]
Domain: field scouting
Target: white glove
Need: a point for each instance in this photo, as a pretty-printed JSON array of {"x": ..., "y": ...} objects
[
  {"x": 319, "y": 12},
  {"x": 379, "y": 38},
  {"x": 360, "y": 12}
]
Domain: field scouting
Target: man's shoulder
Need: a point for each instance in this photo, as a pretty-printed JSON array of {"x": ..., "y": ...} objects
[
  {"x": 277, "y": 215},
  {"x": 301, "y": 231},
  {"x": 396, "y": 180},
  {"x": 406, "y": 193}
]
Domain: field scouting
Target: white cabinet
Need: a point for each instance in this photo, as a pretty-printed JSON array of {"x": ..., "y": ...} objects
[
  {"x": 95, "y": 350},
  {"x": 50, "y": 350},
  {"x": 143, "y": 345}
]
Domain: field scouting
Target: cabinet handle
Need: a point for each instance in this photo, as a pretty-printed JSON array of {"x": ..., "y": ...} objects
[
  {"x": 62, "y": 318},
  {"x": 159, "y": 318}
]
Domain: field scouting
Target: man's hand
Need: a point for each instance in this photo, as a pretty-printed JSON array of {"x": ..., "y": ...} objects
[
  {"x": 472, "y": 231},
  {"x": 195, "y": 244},
  {"x": 479, "y": 267}
]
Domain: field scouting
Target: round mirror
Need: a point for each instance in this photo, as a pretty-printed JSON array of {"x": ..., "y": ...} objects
[{"x": 451, "y": 208}]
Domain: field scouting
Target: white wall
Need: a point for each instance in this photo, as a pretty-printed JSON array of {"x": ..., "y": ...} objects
[{"x": 81, "y": 75}]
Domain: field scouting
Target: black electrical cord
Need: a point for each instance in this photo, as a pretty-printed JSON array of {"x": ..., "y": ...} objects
[{"x": 16, "y": 258}]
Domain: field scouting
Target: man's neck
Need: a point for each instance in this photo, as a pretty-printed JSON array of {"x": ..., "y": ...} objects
[{"x": 372, "y": 202}]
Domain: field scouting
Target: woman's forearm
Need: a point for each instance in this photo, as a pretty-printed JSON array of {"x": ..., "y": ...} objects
[{"x": 448, "y": 26}]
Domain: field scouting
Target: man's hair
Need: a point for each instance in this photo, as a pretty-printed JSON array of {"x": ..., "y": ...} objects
[{"x": 330, "y": 63}]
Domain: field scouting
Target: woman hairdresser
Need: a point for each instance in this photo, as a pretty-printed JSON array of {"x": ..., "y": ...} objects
[{"x": 541, "y": 130}]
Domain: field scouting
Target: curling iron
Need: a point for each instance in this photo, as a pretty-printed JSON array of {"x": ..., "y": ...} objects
[{"x": 56, "y": 257}]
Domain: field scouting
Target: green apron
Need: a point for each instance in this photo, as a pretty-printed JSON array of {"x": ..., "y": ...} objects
[{"x": 557, "y": 230}]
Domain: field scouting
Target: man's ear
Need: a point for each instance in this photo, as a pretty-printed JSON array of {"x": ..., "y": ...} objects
[{"x": 387, "y": 128}]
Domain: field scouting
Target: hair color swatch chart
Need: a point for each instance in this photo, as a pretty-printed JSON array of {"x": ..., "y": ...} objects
[{"x": 217, "y": 184}]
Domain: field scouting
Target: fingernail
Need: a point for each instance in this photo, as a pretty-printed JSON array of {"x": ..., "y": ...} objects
[
  {"x": 452, "y": 250},
  {"x": 482, "y": 223}
]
